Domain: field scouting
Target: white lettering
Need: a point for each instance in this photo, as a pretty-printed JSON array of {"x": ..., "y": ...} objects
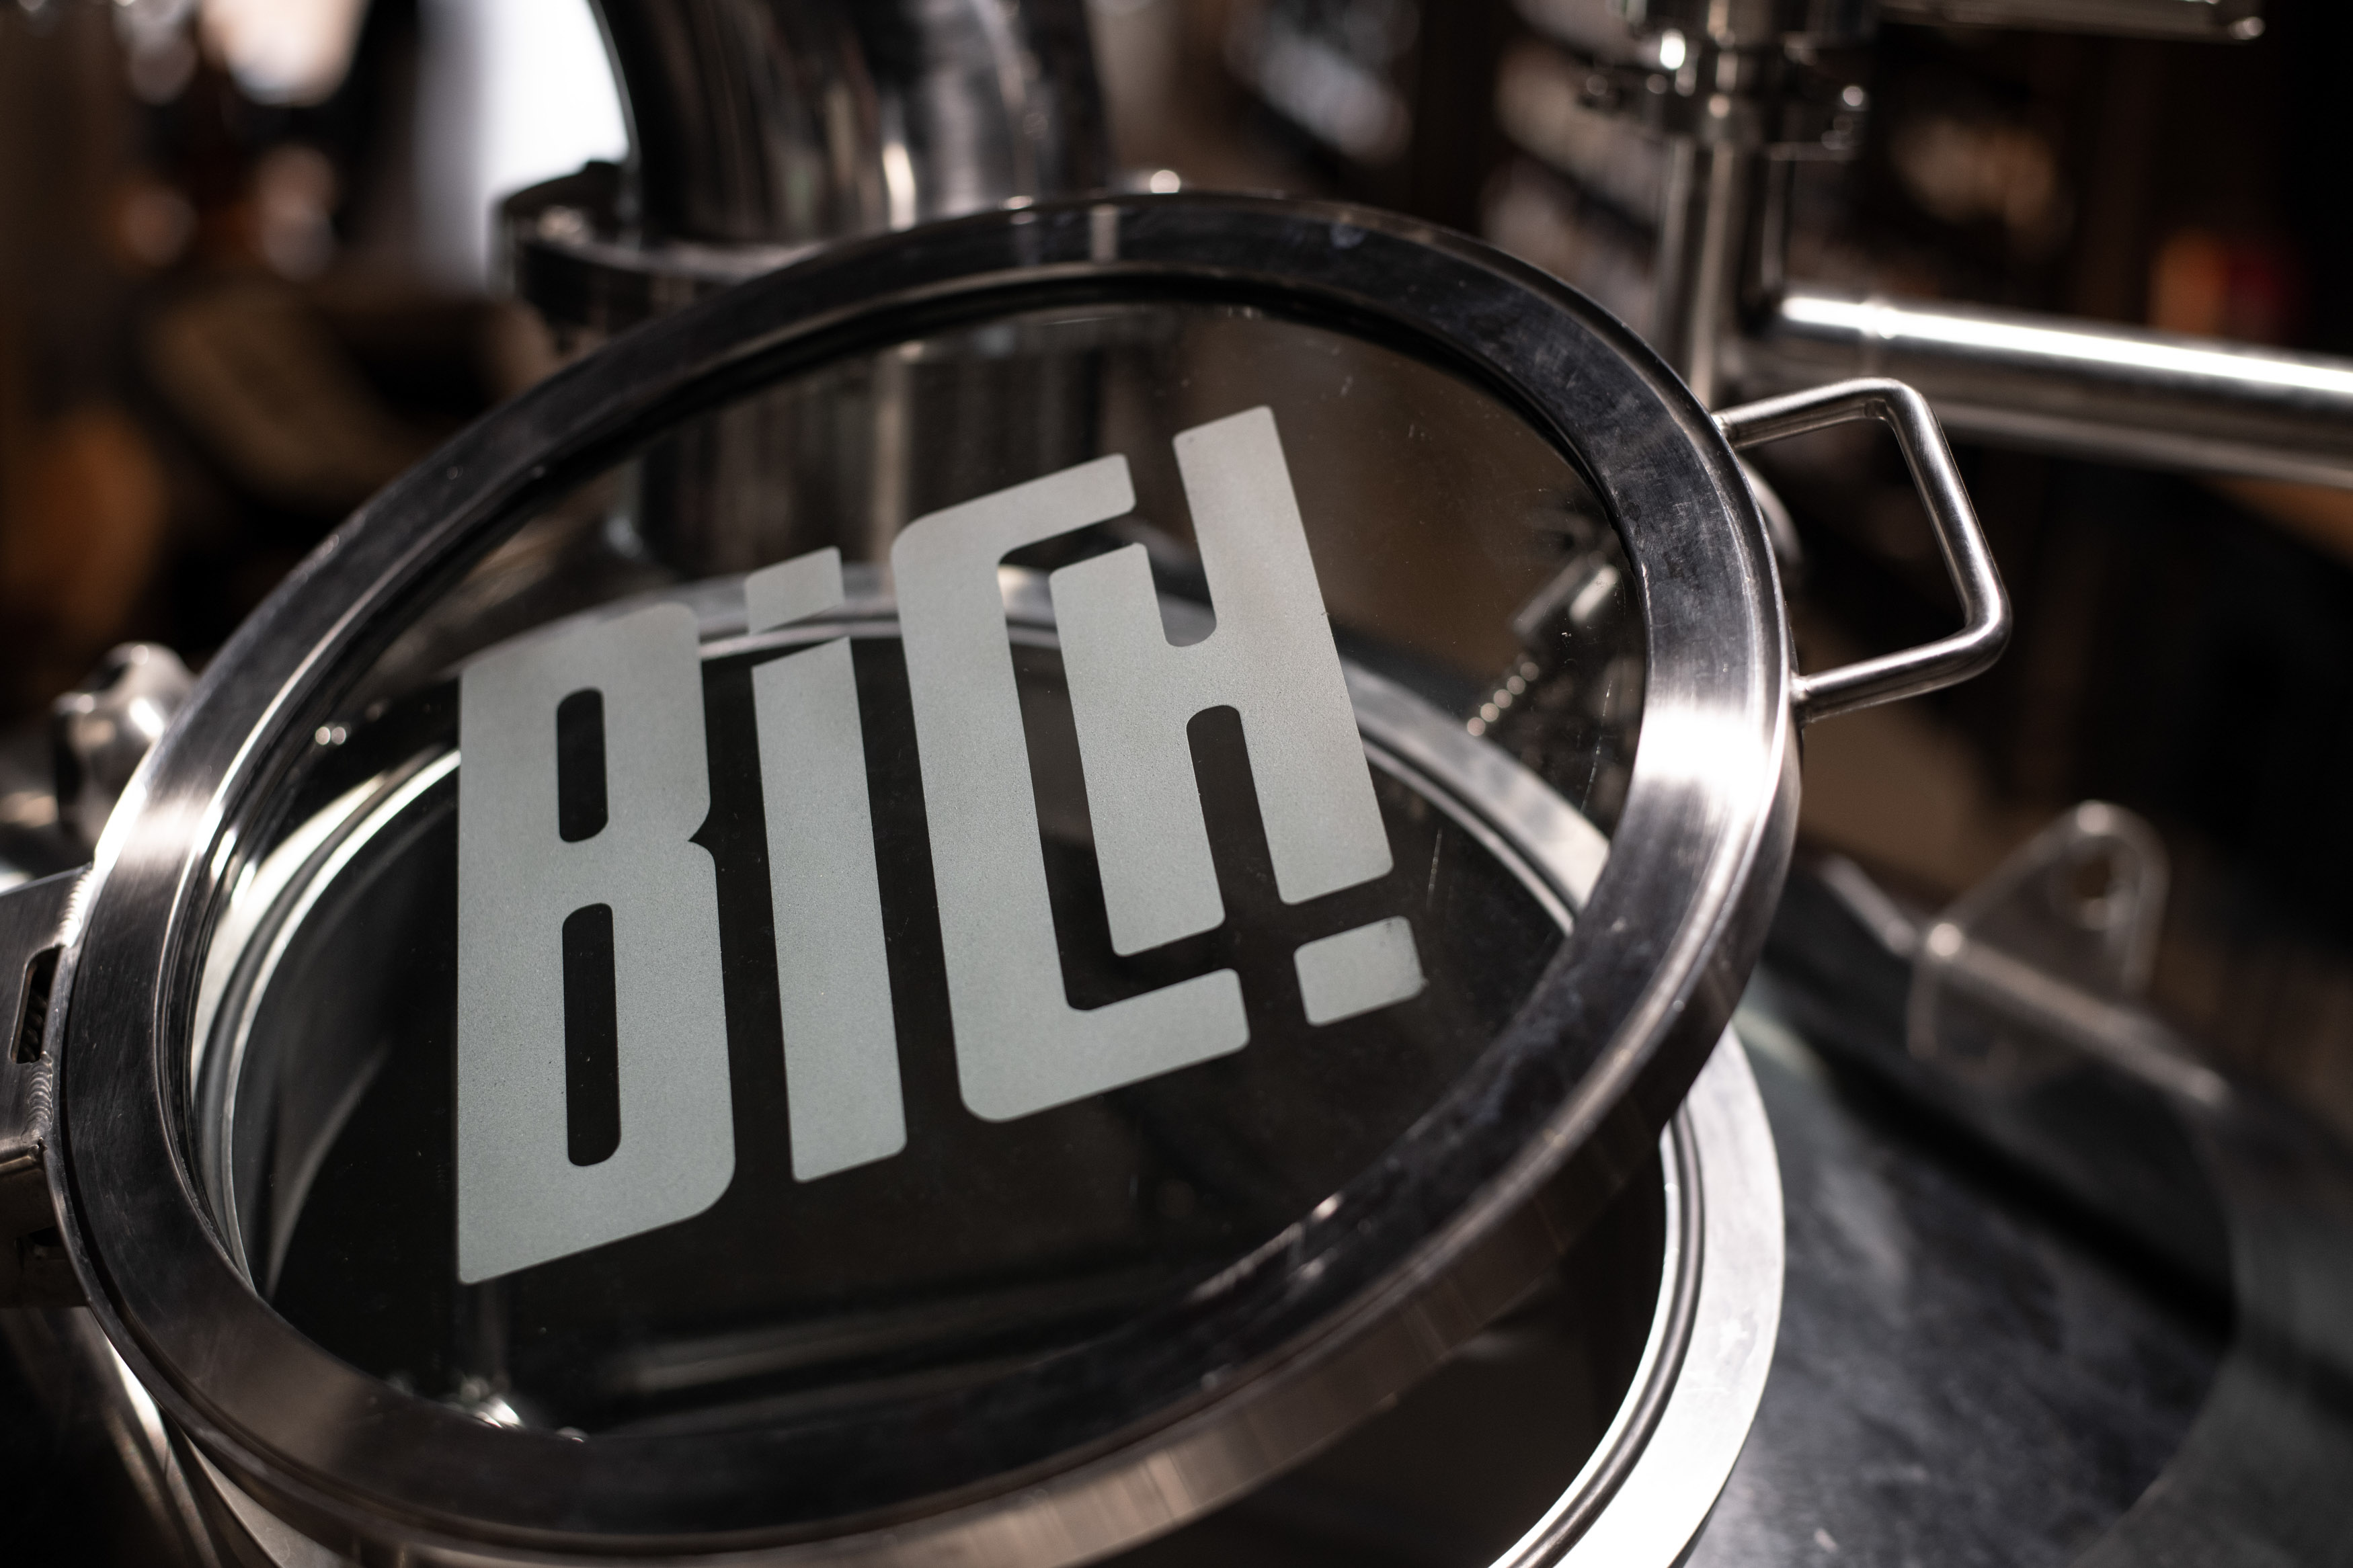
[{"x": 521, "y": 1200}]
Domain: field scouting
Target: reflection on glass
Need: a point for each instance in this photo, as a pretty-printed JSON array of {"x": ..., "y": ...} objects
[{"x": 1467, "y": 574}]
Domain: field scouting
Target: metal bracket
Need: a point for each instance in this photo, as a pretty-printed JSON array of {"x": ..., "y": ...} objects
[
  {"x": 1985, "y": 608},
  {"x": 2043, "y": 962},
  {"x": 34, "y": 1270},
  {"x": 103, "y": 727}
]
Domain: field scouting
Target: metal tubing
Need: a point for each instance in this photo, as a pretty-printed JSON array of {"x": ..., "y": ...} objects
[
  {"x": 2216, "y": 21},
  {"x": 1648, "y": 976},
  {"x": 2150, "y": 398},
  {"x": 34, "y": 1268},
  {"x": 1985, "y": 608}
]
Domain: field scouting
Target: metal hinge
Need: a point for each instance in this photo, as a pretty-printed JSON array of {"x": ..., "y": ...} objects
[{"x": 35, "y": 1269}]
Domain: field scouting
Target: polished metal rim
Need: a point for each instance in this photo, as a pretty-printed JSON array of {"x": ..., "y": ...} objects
[
  {"x": 1641, "y": 1499},
  {"x": 1109, "y": 1445}
]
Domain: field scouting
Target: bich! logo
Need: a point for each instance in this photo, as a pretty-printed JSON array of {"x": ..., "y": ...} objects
[{"x": 534, "y": 887}]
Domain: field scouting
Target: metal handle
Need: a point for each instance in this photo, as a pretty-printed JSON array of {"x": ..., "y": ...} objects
[{"x": 1985, "y": 608}]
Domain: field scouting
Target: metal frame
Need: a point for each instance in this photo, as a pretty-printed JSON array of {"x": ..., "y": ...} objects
[
  {"x": 1358, "y": 1301},
  {"x": 1727, "y": 315},
  {"x": 759, "y": 131}
]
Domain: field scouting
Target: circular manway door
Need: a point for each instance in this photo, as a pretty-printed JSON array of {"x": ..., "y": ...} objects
[{"x": 962, "y": 923}]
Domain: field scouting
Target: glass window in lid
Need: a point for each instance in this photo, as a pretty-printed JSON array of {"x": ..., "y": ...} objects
[{"x": 914, "y": 871}]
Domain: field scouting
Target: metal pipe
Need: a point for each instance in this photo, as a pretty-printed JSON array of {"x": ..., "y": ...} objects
[
  {"x": 2156, "y": 399},
  {"x": 786, "y": 122},
  {"x": 760, "y": 129},
  {"x": 1706, "y": 209},
  {"x": 1985, "y": 607}
]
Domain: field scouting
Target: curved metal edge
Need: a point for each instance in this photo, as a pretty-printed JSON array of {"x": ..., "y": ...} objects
[
  {"x": 1717, "y": 761},
  {"x": 2260, "y": 1476},
  {"x": 265, "y": 1535},
  {"x": 1708, "y": 1361},
  {"x": 1666, "y": 1498},
  {"x": 1487, "y": 792},
  {"x": 1985, "y": 607},
  {"x": 1205, "y": 1462},
  {"x": 1466, "y": 776}
]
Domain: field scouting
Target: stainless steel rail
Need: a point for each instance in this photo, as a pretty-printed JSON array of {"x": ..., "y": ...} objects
[
  {"x": 2215, "y": 19},
  {"x": 2152, "y": 398}
]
